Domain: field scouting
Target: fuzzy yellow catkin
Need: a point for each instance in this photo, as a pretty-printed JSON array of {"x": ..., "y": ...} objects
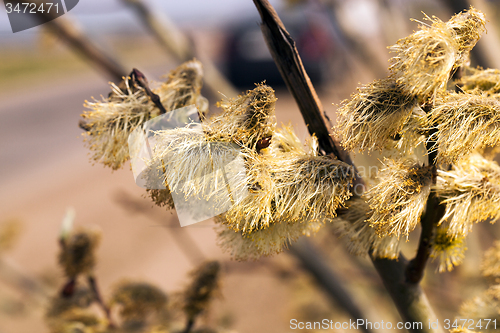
[
  {"x": 264, "y": 242},
  {"x": 203, "y": 287},
  {"x": 110, "y": 121},
  {"x": 137, "y": 300},
  {"x": 487, "y": 81},
  {"x": 468, "y": 27},
  {"x": 487, "y": 304},
  {"x": 183, "y": 88},
  {"x": 471, "y": 192},
  {"x": 424, "y": 60},
  {"x": 399, "y": 198},
  {"x": 188, "y": 156},
  {"x": 490, "y": 266},
  {"x": 449, "y": 251},
  {"x": 76, "y": 321},
  {"x": 374, "y": 115},
  {"x": 464, "y": 122},
  {"x": 294, "y": 186},
  {"x": 246, "y": 119},
  {"x": 481, "y": 307},
  {"x": 77, "y": 254},
  {"x": 361, "y": 238}
]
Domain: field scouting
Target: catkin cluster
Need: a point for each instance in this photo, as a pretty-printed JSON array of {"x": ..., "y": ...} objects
[
  {"x": 133, "y": 306},
  {"x": 412, "y": 106},
  {"x": 288, "y": 189},
  {"x": 109, "y": 122}
]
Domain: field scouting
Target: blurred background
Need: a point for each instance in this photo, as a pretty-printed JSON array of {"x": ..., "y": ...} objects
[{"x": 44, "y": 167}]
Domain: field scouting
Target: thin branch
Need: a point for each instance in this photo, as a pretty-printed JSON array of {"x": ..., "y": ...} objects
[
  {"x": 312, "y": 260},
  {"x": 409, "y": 298},
  {"x": 93, "y": 285},
  {"x": 180, "y": 236},
  {"x": 433, "y": 214},
  {"x": 68, "y": 32}
]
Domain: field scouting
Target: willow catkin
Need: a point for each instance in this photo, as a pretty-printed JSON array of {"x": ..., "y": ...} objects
[
  {"x": 374, "y": 115},
  {"x": 183, "y": 88},
  {"x": 290, "y": 183},
  {"x": 137, "y": 300},
  {"x": 490, "y": 265},
  {"x": 361, "y": 238},
  {"x": 487, "y": 81},
  {"x": 424, "y": 60},
  {"x": 468, "y": 27},
  {"x": 399, "y": 198},
  {"x": 263, "y": 242},
  {"x": 77, "y": 254},
  {"x": 109, "y": 122},
  {"x": 471, "y": 192},
  {"x": 247, "y": 119},
  {"x": 447, "y": 250},
  {"x": 464, "y": 122},
  {"x": 205, "y": 284}
]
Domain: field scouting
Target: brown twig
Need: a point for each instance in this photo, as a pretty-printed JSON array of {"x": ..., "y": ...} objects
[
  {"x": 433, "y": 213},
  {"x": 93, "y": 286},
  {"x": 312, "y": 260},
  {"x": 180, "y": 236}
]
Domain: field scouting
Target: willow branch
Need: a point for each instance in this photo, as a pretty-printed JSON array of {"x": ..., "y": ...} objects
[
  {"x": 410, "y": 300},
  {"x": 312, "y": 260},
  {"x": 181, "y": 237},
  {"x": 77, "y": 40}
]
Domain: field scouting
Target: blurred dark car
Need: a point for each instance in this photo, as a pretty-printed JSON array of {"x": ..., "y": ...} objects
[{"x": 248, "y": 60}]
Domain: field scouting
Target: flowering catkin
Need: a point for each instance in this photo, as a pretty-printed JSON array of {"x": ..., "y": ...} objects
[
  {"x": 468, "y": 27},
  {"x": 138, "y": 299},
  {"x": 424, "y": 60},
  {"x": 485, "y": 80},
  {"x": 202, "y": 289},
  {"x": 294, "y": 185},
  {"x": 374, "y": 115},
  {"x": 264, "y": 242},
  {"x": 352, "y": 224},
  {"x": 449, "y": 251},
  {"x": 471, "y": 192},
  {"x": 110, "y": 121},
  {"x": 464, "y": 122},
  {"x": 490, "y": 266},
  {"x": 247, "y": 119},
  {"x": 77, "y": 255},
  {"x": 399, "y": 199}
]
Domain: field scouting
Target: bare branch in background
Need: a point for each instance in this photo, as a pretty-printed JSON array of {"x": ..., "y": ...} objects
[
  {"x": 180, "y": 236},
  {"x": 177, "y": 45},
  {"x": 69, "y": 33},
  {"x": 313, "y": 262}
]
